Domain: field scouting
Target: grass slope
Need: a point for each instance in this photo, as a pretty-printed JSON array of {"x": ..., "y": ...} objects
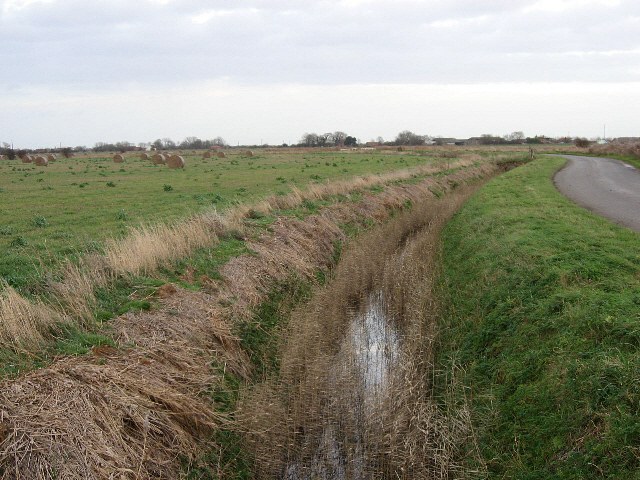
[{"x": 543, "y": 314}]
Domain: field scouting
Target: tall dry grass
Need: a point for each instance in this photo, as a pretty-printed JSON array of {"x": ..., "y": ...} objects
[
  {"x": 314, "y": 419},
  {"x": 126, "y": 413},
  {"x": 24, "y": 324},
  {"x": 621, "y": 148},
  {"x": 148, "y": 247}
]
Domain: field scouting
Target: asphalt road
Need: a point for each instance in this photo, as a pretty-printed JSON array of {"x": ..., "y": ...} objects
[{"x": 607, "y": 187}]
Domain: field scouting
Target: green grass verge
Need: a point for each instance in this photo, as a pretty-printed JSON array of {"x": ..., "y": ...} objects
[{"x": 542, "y": 311}]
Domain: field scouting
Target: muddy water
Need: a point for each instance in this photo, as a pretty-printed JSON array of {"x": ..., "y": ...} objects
[{"x": 359, "y": 378}]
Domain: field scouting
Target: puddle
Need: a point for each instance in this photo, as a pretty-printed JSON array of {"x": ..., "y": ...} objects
[
  {"x": 375, "y": 347},
  {"x": 358, "y": 381}
]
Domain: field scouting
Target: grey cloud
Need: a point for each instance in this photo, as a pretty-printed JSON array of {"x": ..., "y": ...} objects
[{"x": 113, "y": 43}]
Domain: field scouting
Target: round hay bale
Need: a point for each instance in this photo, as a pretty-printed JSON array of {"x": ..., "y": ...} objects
[
  {"x": 159, "y": 159},
  {"x": 118, "y": 158},
  {"x": 248, "y": 153},
  {"x": 52, "y": 157},
  {"x": 27, "y": 159},
  {"x": 206, "y": 155},
  {"x": 144, "y": 156},
  {"x": 175, "y": 161},
  {"x": 41, "y": 161},
  {"x": 222, "y": 155}
]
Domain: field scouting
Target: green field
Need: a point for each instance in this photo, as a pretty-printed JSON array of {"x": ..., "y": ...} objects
[
  {"x": 72, "y": 205},
  {"x": 542, "y": 302}
]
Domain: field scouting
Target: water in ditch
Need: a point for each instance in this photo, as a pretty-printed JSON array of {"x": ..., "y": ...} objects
[{"x": 358, "y": 387}]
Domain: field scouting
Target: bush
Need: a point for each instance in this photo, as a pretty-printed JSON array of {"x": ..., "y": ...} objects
[
  {"x": 40, "y": 221},
  {"x": 582, "y": 143}
]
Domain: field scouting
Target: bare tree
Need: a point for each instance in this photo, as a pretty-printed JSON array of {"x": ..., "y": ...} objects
[
  {"x": 407, "y": 137},
  {"x": 309, "y": 139},
  {"x": 339, "y": 138}
]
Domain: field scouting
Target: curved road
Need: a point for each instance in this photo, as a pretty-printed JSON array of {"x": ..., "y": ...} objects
[{"x": 608, "y": 187}]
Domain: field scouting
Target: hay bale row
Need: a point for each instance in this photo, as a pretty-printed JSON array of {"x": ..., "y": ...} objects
[
  {"x": 172, "y": 161},
  {"x": 42, "y": 159}
]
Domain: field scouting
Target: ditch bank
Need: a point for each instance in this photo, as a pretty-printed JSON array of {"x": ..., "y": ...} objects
[
  {"x": 352, "y": 397},
  {"x": 146, "y": 407}
]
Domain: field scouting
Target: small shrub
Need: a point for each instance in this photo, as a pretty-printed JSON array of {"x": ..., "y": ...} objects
[
  {"x": 6, "y": 230},
  {"x": 19, "y": 241},
  {"x": 111, "y": 184},
  {"x": 122, "y": 215},
  {"x": 167, "y": 188},
  {"x": 255, "y": 214},
  {"x": 40, "y": 222}
]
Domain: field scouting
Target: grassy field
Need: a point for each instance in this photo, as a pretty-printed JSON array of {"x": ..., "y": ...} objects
[
  {"x": 542, "y": 302},
  {"x": 71, "y": 206}
]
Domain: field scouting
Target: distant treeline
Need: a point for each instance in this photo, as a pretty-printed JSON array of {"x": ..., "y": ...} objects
[{"x": 330, "y": 139}]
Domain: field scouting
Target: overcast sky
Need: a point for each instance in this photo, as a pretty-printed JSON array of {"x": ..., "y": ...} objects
[{"x": 78, "y": 72}]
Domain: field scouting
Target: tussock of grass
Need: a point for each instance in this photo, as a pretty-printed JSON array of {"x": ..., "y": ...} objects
[
  {"x": 148, "y": 247},
  {"x": 24, "y": 324},
  {"x": 543, "y": 300}
]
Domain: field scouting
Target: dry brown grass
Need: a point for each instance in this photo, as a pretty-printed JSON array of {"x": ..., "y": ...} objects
[
  {"x": 620, "y": 148},
  {"x": 123, "y": 413},
  {"x": 148, "y": 247},
  {"x": 25, "y": 324},
  {"x": 114, "y": 414}
]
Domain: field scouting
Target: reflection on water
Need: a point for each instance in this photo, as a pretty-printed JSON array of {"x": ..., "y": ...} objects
[
  {"x": 358, "y": 382},
  {"x": 374, "y": 344}
]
